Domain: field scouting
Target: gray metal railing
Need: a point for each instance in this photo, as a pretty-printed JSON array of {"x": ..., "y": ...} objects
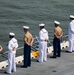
[{"x": 3, "y": 56}]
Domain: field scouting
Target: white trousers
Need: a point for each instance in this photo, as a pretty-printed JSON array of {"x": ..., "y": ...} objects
[
  {"x": 71, "y": 45},
  {"x": 42, "y": 51},
  {"x": 11, "y": 62}
]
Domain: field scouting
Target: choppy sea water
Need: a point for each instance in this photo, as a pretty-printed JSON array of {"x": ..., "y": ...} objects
[{"x": 14, "y": 14}]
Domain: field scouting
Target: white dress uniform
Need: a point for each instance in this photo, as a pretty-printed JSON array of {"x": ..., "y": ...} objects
[
  {"x": 43, "y": 34},
  {"x": 11, "y": 55},
  {"x": 71, "y": 36}
]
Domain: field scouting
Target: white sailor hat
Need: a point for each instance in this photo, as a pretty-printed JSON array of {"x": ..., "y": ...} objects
[
  {"x": 71, "y": 16},
  {"x": 56, "y": 22},
  {"x": 25, "y": 27},
  {"x": 42, "y": 24},
  {"x": 11, "y": 34}
]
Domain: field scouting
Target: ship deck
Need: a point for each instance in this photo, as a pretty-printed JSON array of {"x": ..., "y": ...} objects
[{"x": 63, "y": 65}]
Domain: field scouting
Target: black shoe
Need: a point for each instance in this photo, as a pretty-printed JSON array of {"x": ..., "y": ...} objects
[
  {"x": 13, "y": 71},
  {"x": 37, "y": 60},
  {"x": 58, "y": 55},
  {"x": 23, "y": 66},
  {"x": 68, "y": 52},
  {"x": 7, "y": 72},
  {"x": 29, "y": 65},
  {"x": 52, "y": 57}
]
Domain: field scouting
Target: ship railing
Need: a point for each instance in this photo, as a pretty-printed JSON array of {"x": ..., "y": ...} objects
[{"x": 35, "y": 46}]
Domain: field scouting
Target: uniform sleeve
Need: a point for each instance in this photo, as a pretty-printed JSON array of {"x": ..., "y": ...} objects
[
  {"x": 55, "y": 31},
  {"x": 72, "y": 27},
  {"x": 47, "y": 36},
  {"x": 25, "y": 38},
  {"x": 10, "y": 44},
  {"x": 16, "y": 44},
  {"x": 41, "y": 36}
]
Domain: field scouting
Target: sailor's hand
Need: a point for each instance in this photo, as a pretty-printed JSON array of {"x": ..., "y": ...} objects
[
  {"x": 1, "y": 48},
  {"x": 58, "y": 37},
  {"x": 28, "y": 43},
  {"x": 14, "y": 49},
  {"x": 46, "y": 40}
]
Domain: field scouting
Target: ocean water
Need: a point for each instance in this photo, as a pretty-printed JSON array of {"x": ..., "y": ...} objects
[{"x": 14, "y": 14}]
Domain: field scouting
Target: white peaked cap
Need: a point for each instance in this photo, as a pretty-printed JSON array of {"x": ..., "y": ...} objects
[
  {"x": 25, "y": 27},
  {"x": 11, "y": 33},
  {"x": 56, "y": 22},
  {"x": 42, "y": 24},
  {"x": 71, "y": 16}
]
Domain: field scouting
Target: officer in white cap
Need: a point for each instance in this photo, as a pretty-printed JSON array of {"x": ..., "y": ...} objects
[
  {"x": 56, "y": 22},
  {"x": 12, "y": 46},
  {"x": 26, "y": 27},
  {"x": 28, "y": 41},
  {"x": 43, "y": 38},
  {"x": 71, "y": 34},
  {"x": 56, "y": 41}
]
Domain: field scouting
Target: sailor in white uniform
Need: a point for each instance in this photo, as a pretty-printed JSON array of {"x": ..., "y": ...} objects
[
  {"x": 12, "y": 46},
  {"x": 71, "y": 34},
  {"x": 43, "y": 38}
]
